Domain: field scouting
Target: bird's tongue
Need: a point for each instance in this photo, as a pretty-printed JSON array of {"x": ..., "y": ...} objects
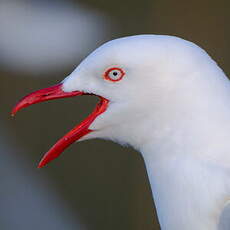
[{"x": 76, "y": 133}]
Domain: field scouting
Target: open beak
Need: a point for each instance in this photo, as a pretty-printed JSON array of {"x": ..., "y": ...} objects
[{"x": 76, "y": 133}]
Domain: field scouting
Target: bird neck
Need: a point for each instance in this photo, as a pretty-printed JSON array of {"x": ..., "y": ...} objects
[
  {"x": 189, "y": 193},
  {"x": 187, "y": 161}
]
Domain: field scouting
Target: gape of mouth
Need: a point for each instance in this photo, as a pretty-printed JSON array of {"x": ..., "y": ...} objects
[{"x": 80, "y": 130}]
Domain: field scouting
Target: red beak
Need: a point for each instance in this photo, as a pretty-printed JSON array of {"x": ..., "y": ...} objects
[{"x": 76, "y": 133}]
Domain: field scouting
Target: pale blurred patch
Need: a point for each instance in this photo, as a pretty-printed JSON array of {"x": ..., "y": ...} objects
[{"x": 46, "y": 36}]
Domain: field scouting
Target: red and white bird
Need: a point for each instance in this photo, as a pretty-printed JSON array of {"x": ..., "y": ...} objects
[{"x": 169, "y": 100}]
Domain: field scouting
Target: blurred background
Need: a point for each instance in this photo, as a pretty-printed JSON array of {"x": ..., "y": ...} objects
[{"x": 94, "y": 185}]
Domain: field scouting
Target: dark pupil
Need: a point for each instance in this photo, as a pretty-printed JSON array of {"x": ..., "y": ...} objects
[{"x": 115, "y": 73}]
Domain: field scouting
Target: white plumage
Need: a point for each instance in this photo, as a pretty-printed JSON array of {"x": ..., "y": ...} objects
[
  {"x": 172, "y": 106},
  {"x": 169, "y": 100}
]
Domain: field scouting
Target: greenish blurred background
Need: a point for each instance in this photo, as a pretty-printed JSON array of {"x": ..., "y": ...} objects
[{"x": 94, "y": 185}]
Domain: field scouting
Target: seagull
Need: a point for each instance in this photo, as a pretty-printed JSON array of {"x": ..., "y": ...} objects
[{"x": 168, "y": 99}]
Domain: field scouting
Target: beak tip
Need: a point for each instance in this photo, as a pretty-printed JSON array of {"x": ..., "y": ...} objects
[
  {"x": 40, "y": 165},
  {"x": 14, "y": 110},
  {"x": 43, "y": 162}
]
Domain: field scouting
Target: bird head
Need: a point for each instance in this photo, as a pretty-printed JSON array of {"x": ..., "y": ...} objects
[{"x": 136, "y": 78}]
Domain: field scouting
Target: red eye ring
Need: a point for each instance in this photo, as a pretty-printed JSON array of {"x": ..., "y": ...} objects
[{"x": 114, "y": 74}]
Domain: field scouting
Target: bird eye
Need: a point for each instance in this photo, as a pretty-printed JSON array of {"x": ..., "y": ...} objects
[{"x": 114, "y": 74}]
